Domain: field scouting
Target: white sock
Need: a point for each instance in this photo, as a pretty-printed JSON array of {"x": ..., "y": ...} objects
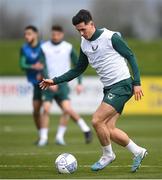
[
  {"x": 134, "y": 148},
  {"x": 60, "y": 132},
  {"x": 83, "y": 126},
  {"x": 107, "y": 150},
  {"x": 43, "y": 133}
]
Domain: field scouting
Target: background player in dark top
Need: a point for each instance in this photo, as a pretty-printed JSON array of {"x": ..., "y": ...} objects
[{"x": 30, "y": 56}]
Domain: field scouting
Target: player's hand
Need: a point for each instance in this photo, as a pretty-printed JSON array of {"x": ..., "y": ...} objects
[
  {"x": 138, "y": 93},
  {"x": 54, "y": 88},
  {"x": 79, "y": 88},
  {"x": 38, "y": 66},
  {"x": 39, "y": 77},
  {"x": 46, "y": 83}
]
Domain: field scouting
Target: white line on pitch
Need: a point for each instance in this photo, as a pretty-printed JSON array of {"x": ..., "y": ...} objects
[
  {"x": 47, "y": 153},
  {"x": 84, "y": 166}
]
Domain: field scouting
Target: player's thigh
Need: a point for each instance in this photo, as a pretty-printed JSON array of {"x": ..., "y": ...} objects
[
  {"x": 65, "y": 105},
  {"x": 47, "y": 98},
  {"x": 37, "y": 93},
  {"x": 61, "y": 105},
  {"x": 104, "y": 112},
  {"x": 47, "y": 106}
]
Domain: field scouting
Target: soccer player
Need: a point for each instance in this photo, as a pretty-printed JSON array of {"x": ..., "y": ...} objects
[
  {"x": 30, "y": 56},
  {"x": 58, "y": 55},
  {"x": 107, "y": 52}
]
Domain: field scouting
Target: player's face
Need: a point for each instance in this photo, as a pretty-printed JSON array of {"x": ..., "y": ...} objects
[
  {"x": 30, "y": 35},
  {"x": 57, "y": 36},
  {"x": 86, "y": 30}
]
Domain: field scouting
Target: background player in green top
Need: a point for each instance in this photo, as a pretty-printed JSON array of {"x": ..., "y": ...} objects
[
  {"x": 30, "y": 56},
  {"x": 59, "y": 55},
  {"x": 108, "y": 54}
]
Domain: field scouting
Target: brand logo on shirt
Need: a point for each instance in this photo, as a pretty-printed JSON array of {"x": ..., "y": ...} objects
[
  {"x": 57, "y": 51},
  {"x": 94, "y": 48},
  {"x": 34, "y": 55},
  {"x": 111, "y": 96}
]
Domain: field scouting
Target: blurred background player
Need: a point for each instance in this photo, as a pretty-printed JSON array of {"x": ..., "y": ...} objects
[
  {"x": 30, "y": 56},
  {"x": 58, "y": 55}
]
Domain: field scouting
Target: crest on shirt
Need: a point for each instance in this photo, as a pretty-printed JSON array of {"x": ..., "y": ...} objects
[
  {"x": 94, "y": 48},
  {"x": 111, "y": 96},
  {"x": 34, "y": 55}
]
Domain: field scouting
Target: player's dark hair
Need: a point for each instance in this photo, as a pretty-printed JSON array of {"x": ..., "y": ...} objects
[
  {"x": 82, "y": 16},
  {"x": 31, "y": 27},
  {"x": 57, "y": 28}
]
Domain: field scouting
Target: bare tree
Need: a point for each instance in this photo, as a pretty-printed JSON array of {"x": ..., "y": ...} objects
[
  {"x": 12, "y": 25},
  {"x": 137, "y": 18},
  {"x": 113, "y": 14}
]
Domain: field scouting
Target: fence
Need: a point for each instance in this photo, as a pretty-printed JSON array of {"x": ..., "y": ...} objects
[{"x": 16, "y": 96}]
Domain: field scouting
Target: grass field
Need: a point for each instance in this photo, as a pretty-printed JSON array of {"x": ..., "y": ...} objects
[
  {"x": 148, "y": 55},
  {"x": 19, "y": 158}
]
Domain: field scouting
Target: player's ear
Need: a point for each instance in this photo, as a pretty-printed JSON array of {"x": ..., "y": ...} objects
[{"x": 91, "y": 23}]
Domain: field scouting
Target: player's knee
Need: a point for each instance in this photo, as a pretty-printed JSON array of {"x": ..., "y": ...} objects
[
  {"x": 46, "y": 110},
  {"x": 67, "y": 110},
  {"x": 36, "y": 112},
  {"x": 96, "y": 121}
]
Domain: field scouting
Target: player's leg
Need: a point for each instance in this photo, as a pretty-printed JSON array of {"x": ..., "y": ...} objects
[
  {"x": 121, "y": 138},
  {"x": 117, "y": 135},
  {"x": 36, "y": 112},
  {"x": 67, "y": 108},
  {"x": 117, "y": 97},
  {"x": 37, "y": 103},
  {"x": 45, "y": 123},
  {"x": 62, "y": 129},
  {"x": 43, "y": 132},
  {"x": 104, "y": 112},
  {"x": 63, "y": 99}
]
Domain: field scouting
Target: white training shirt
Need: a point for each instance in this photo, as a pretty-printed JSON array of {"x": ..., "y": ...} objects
[
  {"x": 108, "y": 63},
  {"x": 58, "y": 59}
]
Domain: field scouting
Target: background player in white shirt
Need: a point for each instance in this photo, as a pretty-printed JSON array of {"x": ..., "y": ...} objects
[
  {"x": 108, "y": 54},
  {"x": 58, "y": 55}
]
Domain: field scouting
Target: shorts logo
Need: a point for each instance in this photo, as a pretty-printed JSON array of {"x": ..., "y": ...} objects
[
  {"x": 110, "y": 96},
  {"x": 43, "y": 98}
]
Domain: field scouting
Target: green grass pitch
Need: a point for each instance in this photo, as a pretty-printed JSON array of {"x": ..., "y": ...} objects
[
  {"x": 148, "y": 55},
  {"x": 20, "y": 158}
]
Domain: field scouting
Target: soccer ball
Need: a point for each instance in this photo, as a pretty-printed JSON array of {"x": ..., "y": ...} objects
[{"x": 66, "y": 163}]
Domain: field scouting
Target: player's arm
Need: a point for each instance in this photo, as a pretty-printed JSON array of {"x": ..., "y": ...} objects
[
  {"x": 71, "y": 74},
  {"x": 122, "y": 48},
  {"x": 74, "y": 59},
  {"x": 23, "y": 63},
  {"x": 43, "y": 61},
  {"x": 25, "y": 66}
]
